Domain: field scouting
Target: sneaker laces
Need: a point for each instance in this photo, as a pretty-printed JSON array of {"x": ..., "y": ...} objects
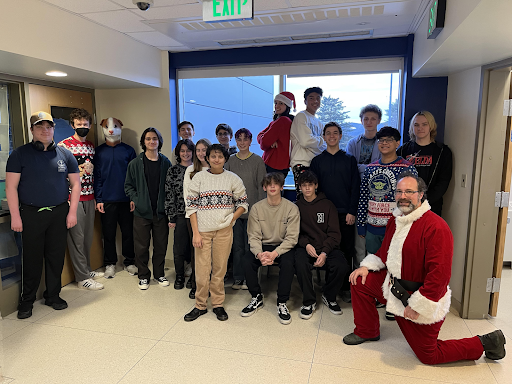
[
  {"x": 283, "y": 308},
  {"x": 144, "y": 281},
  {"x": 253, "y": 302},
  {"x": 308, "y": 307}
]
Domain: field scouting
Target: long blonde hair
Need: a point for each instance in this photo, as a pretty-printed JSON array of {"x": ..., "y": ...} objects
[
  {"x": 198, "y": 167},
  {"x": 431, "y": 122}
]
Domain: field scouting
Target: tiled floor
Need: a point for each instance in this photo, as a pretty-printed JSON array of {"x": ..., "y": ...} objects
[{"x": 124, "y": 335}]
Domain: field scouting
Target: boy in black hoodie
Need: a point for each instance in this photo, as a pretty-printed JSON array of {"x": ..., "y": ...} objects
[{"x": 318, "y": 245}]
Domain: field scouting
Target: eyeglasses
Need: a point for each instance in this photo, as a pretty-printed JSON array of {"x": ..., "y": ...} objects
[
  {"x": 407, "y": 193},
  {"x": 385, "y": 141},
  {"x": 223, "y": 134}
]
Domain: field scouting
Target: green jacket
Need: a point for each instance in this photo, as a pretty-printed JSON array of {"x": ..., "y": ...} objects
[{"x": 136, "y": 188}]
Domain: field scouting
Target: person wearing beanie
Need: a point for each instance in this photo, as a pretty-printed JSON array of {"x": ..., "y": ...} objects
[
  {"x": 306, "y": 134},
  {"x": 275, "y": 139}
]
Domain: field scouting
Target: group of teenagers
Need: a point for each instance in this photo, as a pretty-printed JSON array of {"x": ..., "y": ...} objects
[{"x": 355, "y": 212}]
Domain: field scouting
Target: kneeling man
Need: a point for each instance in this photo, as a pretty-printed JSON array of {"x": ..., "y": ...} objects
[
  {"x": 319, "y": 243},
  {"x": 413, "y": 268},
  {"x": 273, "y": 231}
]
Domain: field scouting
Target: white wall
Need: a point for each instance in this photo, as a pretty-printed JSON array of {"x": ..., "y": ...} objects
[
  {"x": 462, "y": 107},
  {"x": 36, "y": 29}
]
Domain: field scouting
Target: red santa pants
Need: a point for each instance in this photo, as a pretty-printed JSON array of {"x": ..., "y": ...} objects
[{"x": 421, "y": 338}]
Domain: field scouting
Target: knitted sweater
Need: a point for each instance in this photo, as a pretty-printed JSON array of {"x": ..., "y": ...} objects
[
  {"x": 306, "y": 137},
  {"x": 214, "y": 198},
  {"x": 252, "y": 171},
  {"x": 277, "y": 225},
  {"x": 84, "y": 154},
  {"x": 277, "y": 131},
  {"x": 174, "y": 202},
  {"x": 187, "y": 180},
  {"x": 377, "y": 195}
]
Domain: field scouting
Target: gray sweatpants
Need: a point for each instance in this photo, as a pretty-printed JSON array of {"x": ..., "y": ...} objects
[
  {"x": 360, "y": 245},
  {"x": 80, "y": 240}
]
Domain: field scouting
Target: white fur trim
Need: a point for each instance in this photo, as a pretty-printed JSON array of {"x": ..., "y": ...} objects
[
  {"x": 372, "y": 262},
  {"x": 282, "y": 98},
  {"x": 430, "y": 311}
]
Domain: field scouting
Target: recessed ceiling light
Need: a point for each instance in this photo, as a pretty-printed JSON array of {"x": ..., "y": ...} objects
[
  {"x": 363, "y": 23},
  {"x": 56, "y": 73}
]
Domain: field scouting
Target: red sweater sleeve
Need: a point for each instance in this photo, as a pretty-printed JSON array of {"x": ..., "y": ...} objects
[{"x": 270, "y": 134}]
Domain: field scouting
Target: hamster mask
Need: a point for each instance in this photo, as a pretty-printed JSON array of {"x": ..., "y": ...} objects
[{"x": 112, "y": 129}]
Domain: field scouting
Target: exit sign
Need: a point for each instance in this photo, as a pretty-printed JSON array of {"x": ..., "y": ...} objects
[
  {"x": 227, "y": 10},
  {"x": 437, "y": 14}
]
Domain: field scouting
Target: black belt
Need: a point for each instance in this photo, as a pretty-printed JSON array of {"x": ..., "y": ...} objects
[{"x": 400, "y": 288}]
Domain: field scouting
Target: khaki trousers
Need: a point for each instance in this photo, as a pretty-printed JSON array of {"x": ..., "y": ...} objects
[{"x": 211, "y": 264}]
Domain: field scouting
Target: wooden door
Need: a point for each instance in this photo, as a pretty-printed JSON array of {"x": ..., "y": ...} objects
[{"x": 42, "y": 98}]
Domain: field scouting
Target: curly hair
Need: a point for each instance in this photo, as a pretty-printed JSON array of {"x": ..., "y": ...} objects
[
  {"x": 79, "y": 114},
  {"x": 370, "y": 108},
  {"x": 190, "y": 145},
  {"x": 273, "y": 177}
]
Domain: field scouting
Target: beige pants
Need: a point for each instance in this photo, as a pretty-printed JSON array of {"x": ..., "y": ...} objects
[{"x": 212, "y": 260}]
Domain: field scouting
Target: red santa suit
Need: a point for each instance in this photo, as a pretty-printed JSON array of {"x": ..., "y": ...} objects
[{"x": 417, "y": 247}]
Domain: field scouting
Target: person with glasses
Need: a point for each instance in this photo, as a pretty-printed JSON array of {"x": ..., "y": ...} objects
[
  {"x": 224, "y": 135},
  {"x": 377, "y": 193},
  {"x": 432, "y": 159},
  {"x": 37, "y": 190},
  {"x": 410, "y": 273}
]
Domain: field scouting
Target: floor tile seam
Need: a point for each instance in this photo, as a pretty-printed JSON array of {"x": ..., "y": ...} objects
[
  {"x": 21, "y": 329},
  {"x": 316, "y": 341},
  {"x": 94, "y": 331},
  {"x": 385, "y": 373},
  {"x": 236, "y": 351},
  {"x": 177, "y": 320},
  {"x": 138, "y": 361}
]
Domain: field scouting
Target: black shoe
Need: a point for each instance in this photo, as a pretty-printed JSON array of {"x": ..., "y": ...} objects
[
  {"x": 333, "y": 306},
  {"x": 24, "y": 311},
  {"x": 494, "y": 345},
  {"x": 390, "y": 316},
  {"x": 56, "y": 303},
  {"x": 378, "y": 304},
  {"x": 194, "y": 314},
  {"x": 221, "y": 313},
  {"x": 255, "y": 304},
  {"x": 179, "y": 283},
  {"x": 346, "y": 296},
  {"x": 189, "y": 284},
  {"x": 192, "y": 293}
]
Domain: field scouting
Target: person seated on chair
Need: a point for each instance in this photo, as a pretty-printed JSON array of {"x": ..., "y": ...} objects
[
  {"x": 273, "y": 231},
  {"x": 319, "y": 243}
]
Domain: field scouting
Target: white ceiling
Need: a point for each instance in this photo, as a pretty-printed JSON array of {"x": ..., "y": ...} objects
[{"x": 176, "y": 25}]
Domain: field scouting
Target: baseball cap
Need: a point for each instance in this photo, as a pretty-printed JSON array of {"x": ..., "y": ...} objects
[{"x": 41, "y": 116}]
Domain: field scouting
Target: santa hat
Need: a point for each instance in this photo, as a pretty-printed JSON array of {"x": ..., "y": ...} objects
[{"x": 288, "y": 99}]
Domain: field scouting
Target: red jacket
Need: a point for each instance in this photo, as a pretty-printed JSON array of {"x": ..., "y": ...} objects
[
  {"x": 417, "y": 247},
  {"x": 277, "y": 131}
]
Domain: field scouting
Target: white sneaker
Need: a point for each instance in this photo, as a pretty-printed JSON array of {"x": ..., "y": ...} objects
[
  {"x": 131, "y": 269},
  {"x": 163, "y": 281},
  {"x": 95, "y": 275},
  {"x": 90, "y": 284},
  {"x": 188, "y": 269},
  {"x": 110, "y": 272},
  {"x": 143, "y": 284}
]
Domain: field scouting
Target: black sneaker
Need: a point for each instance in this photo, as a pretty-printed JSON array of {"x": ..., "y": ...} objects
[
  {"x": 284, "y": 314},
  {"x": 255, "y": 304},
  {"x": 189, "y": 284},
  {"x": 56, "y": 303},
  {"x": 390, "y": 316},
  {"x": 332, "y": 305},
  {"x": 192, "y": 293},
  {"x": 306, "y": 311},
  {"x": 179, "y": 283},
  {"x": 24, "y": 311},
  {"x": 378, "y": 304},
  {"x": 194, "y": 314},
  {"x": 494, "y": 345}
]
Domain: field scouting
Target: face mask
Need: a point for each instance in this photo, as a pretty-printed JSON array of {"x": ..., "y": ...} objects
[{"x": 82, "y": 132}]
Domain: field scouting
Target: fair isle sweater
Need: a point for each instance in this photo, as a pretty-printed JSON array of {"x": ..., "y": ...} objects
[
  {"x": 377, "y": 195},
  {"x": 214, "y": 198}
]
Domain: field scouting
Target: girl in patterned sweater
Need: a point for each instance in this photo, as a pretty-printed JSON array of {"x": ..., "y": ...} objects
[
  {"x": 216, "y": 198},
  {"x": 175, "y": 208}
]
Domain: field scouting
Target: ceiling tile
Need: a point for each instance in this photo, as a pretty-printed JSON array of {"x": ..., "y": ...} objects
[
  {"x": 175, "y": 12},
  {"x": 158, "y": 3},
  {"x": 155, "y": 39},
  {"x": 82, "y": 6},
  {"x": 122, "y": 21},
  {"x": 311, "y": 3}
]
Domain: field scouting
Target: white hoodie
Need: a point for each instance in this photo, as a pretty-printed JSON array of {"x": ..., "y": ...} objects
[{"x": 306, "y": 137}]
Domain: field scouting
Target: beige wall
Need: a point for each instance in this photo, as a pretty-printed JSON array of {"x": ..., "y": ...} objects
[{"x": 462, "y": 108}]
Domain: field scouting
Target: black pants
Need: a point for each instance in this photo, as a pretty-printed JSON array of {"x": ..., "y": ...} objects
[
  {"x": 182, "y": 245},
  {"x": 347, "y": 246},
  {"x": 143, "y": 229},
  {"x": 286, "y": 271},
  {"x": 337, "y": 270},
  {"x": 192, "y": 256},
  {"x": 297, "y": 170},
  {"x": 44, "y": 236},
  {"x": 283, "y": 171},
  {"x": 117, "y": 213}
]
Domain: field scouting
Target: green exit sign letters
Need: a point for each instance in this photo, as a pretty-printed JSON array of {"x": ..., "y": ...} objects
[
  {"x": 437, "y": 14},
  {"x": 227, "y": 10}
]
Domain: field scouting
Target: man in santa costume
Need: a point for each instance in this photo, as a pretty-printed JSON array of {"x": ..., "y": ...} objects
[{"x": 410, "y": 273}]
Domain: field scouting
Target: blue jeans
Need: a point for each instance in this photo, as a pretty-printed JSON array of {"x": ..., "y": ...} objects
[
  {"x": 240, "y": 248},
  {"x": 373, "y": 242}
]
